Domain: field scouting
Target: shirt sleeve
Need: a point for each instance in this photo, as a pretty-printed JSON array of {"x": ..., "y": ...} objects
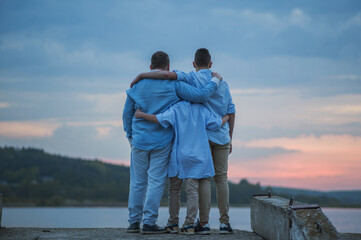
[
  {"x": 166, "y": 118},
  {"x": 212, "y": 122},
  {"x": 182, "y": 76},
  {"x": 191, "y": 94},
  {"x": 128, "y": 113},
  {"x": 231, "y": 106}
]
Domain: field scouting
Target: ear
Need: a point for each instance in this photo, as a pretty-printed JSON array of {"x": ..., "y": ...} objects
[
  {"x": 194, "y": 65},
  {"x": 151, "y": 67},
  {"x": 210, "y": 65}
]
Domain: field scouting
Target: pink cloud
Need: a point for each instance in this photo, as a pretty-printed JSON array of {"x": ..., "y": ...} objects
[
  {"x": 325, "y": 163},
  {"x": 25, "y": 129},
  {"x": 117, "y": 161}
]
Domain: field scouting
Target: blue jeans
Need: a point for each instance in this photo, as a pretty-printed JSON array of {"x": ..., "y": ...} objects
[{"x": 148, "y": 173}]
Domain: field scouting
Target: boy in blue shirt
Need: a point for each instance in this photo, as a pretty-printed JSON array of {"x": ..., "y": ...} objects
[
  {"x": 220, "y": 141},
  {"x": 191, "y": 158}
]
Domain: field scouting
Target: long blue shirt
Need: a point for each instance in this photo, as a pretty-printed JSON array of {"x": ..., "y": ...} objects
[
  {"x": 153, "y": 97},
  {"x": 220, "y": 104},
  {"x": 191, "y": 156}
]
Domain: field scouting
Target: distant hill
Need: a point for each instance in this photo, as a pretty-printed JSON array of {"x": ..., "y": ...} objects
[
  {"x": 349, "y": 198},
  {"x": 30, "y": 176}
]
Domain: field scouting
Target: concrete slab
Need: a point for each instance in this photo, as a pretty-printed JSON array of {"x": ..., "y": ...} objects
[
  {"x": 270, "y": 217},
  {"x": 274, "y": 219},
  {"x": 107, "y": 233},
  {"x": 311, "y": 224}
]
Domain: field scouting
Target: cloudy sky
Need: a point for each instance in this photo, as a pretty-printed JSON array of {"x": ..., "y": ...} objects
[{"x": 294, "y": 69}]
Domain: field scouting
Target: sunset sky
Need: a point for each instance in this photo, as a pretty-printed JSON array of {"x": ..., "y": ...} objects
[{"x": 294, "y": 69}]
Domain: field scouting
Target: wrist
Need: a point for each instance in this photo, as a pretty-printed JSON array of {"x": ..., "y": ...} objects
[{"x": 216, "y": 80}]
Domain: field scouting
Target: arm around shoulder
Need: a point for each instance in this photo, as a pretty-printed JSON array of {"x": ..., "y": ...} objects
[{"x": 154, "y": 75}]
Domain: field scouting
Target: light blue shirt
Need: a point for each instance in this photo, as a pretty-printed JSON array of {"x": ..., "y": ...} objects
[
  {"x": 153, "y": 97},
  {"x": 220, "y": 104},
  {"x": 191, "y": 156}
]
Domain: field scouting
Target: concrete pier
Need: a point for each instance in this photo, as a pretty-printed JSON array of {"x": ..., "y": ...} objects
[
  {"x": 273, "y": 218},
  {"x": 121, "y": 233},
  {"x": 109, "y": 234}
]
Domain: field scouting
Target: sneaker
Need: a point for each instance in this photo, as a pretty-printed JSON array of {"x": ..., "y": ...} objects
[
  {"x": 133, "y": 228},
  {"x": 225, "y": 228},
  {"x": 202, "y": 230},
  {"x": 187, "y": 230},
  {"x": 152, "y": 229},
  {"x": 172, "y": 228}
]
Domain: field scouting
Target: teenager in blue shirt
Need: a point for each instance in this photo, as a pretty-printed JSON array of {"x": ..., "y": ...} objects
[
  {"x": 220, "y": 141},
  {"x": 191, "y": 159}
]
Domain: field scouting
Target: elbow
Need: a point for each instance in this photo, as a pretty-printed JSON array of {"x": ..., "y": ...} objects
[
  {"x": 203, "y": 99},
  {"x": 171, "y": 75},
  {"x": 168, "y": 75}
]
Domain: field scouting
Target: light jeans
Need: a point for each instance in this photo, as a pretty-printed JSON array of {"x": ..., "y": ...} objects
[{"x": 148, "y": 173}]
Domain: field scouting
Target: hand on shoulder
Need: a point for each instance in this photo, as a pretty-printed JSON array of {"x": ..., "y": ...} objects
[{"x": 217, "y": 75}]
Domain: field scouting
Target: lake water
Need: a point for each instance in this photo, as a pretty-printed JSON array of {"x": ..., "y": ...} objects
[{"x": 345, "y": 220}]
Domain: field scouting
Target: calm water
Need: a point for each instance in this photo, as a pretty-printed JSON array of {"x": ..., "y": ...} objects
[{"x": 345, "y": 220}]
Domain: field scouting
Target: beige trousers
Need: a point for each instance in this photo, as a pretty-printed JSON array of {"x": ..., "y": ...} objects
[
  {"x": 191, "y": 187},
  {"x": 220, "y": 161}
]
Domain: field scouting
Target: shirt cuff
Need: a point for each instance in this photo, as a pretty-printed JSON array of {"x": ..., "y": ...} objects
[
  {"x": 176, "y": 72},
  {"x": 160, "y": 120},
  {"x": 216, "y": 81},
  {"x": 231, "y": 111},
  {"x": 130, "y": 139}
]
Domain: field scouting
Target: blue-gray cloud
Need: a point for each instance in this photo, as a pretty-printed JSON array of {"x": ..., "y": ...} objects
[{"x": 55, "y": 53}]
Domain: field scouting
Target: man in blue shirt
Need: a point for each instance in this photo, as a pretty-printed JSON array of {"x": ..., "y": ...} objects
[
  {"x": 150, "y": 143},
  {"x": 220, "y": 142}
]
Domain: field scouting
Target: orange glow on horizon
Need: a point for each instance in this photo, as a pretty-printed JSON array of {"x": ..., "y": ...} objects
[{"x": 330, "y": 162}]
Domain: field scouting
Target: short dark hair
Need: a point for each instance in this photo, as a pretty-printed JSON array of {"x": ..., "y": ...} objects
[
  {"x": 160, "y": 60},
  {"x": 202, "y": 57}
]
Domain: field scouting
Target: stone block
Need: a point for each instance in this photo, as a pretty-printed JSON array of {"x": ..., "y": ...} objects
[
  {"x": 273, "y": 219},
  {"x": 270, "y": 217},
  {"x": 311, "y": 224}
]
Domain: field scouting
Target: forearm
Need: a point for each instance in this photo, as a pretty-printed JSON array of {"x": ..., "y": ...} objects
[
  {"x": 225, "y": 119},
  {"x": 159, "y": 75},
  {"x": 149, "y": 117},
  {"x": 192, "y": 94},
  {"x": 128, "y": 113},
  {"x": 154, "y": 75},
  {"x": 231, "y": 121}
]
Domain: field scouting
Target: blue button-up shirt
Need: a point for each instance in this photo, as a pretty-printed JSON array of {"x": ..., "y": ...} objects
[
  {"x": 153, "y": 97},
  {"x": 220, "y": 103},
  {"x": 191, "y": 156}
]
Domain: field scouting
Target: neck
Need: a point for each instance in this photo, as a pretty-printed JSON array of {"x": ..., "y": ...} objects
[
  {"x": 158, "y": 69},
  {"x": 201, "y": 68}
]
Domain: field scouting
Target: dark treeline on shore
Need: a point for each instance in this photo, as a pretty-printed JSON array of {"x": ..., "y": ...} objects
[{"x": 32, "y": 177}]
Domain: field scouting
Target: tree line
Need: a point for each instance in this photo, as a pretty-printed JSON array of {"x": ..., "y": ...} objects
[{"x": 30, "y": 176}]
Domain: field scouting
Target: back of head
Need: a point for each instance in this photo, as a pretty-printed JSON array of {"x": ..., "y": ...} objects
[
  {"x": 160, "y": 60},
  {"x": 202, "y": 58}
]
